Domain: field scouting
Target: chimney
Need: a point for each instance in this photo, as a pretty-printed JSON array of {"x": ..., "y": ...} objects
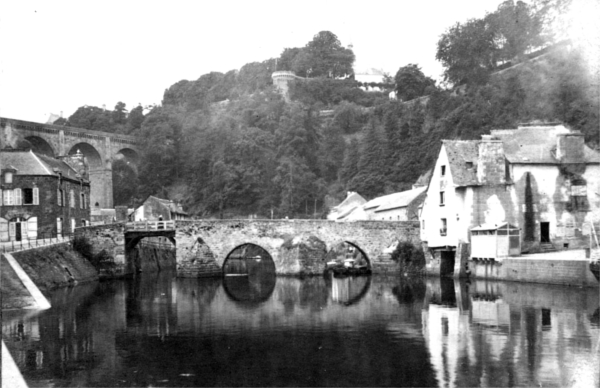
[
  {"x": 491, "y": 166},
  {"x": 569, "y": 148}
]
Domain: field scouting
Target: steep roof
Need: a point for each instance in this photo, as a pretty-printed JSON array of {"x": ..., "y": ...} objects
[
  {"x": 352, "y": 201},
  {"x": 537, "y": 144},
  {"x": 29, "y": 163},
  {"x": 401, "y": 199},
  {"x": 460, "y": 153}
]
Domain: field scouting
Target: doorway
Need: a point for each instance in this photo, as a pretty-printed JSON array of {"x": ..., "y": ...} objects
[
  {"x": 545, "y": 232},
  {"x": 447, "y": 263}
]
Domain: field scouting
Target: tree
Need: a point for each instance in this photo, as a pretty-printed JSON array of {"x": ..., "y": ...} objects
[
  {"x": 370, "y": 178},
  {"x": 323, "y": 56},
  {"x": 350, "y": 164},
  {"x": 135, "y": 119},
  {"x": 517, "y": 29},
  {"x": 92, "y": 117},
  {"x": 411, "y": 82},
  {"x": 119, "y": 115}
]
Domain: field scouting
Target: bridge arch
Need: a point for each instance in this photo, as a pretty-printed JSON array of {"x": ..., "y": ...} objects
[
  {"x": 237, "y": 259},
  {"x": 351, "y": 249},
  {"x": 90, "y": 153},
  {"x": 41, "y": 146}
]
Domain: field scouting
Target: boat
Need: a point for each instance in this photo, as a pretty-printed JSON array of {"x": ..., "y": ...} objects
[{"x": 348, "y": 267}]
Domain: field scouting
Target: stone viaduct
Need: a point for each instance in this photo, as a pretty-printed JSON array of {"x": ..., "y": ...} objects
[
  {"x": 99, "y": 148},
  {"x": 202, "y": 246}
]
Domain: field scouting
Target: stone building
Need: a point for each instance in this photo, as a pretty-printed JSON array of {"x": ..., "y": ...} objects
[
  {"x": 41, "y": 196},
  {"x": 542, "y": 179},
  {"x": 154, "y": 209}
]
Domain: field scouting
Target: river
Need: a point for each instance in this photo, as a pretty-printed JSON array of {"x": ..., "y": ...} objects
[{"x": 158, "y": 330}]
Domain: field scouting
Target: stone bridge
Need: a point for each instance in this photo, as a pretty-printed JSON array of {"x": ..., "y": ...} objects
[
  {"x": 202, "y": 246},
  {"x": 99, "y": 149}
]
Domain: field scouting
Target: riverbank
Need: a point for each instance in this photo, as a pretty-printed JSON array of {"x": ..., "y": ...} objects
[{"x": 39, "y": 270}]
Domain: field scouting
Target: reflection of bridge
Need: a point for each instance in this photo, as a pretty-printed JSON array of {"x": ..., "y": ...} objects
[
  {"x": 296, "y": 246},
  {"x": 99, "y": 149}
]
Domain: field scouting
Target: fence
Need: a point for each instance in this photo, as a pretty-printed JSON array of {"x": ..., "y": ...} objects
[{"x": 41, "y": 241}]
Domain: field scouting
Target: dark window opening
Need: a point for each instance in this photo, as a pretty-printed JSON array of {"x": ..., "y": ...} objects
[
  {"x": 443, "y": 170},
  {"x": 27, "y": 196}
]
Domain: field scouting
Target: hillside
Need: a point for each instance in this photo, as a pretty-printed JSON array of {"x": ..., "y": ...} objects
[{"x": 229, "y": 145}]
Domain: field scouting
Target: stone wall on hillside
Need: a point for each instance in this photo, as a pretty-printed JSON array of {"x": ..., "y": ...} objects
[{"x": 55, "y": 266}]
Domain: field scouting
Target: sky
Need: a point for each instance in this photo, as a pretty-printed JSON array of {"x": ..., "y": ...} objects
[{"x": 56, "y": 56}]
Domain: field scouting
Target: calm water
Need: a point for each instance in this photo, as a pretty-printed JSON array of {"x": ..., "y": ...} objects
[{"x": 253, "y": 331}]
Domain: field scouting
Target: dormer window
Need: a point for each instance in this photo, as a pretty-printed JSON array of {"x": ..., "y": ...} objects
[
  {"x": 469, "y": 164},
  {"x": 8, "y": 177}
]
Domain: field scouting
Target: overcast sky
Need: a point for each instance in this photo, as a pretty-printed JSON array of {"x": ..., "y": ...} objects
[{"x": 58, "y": 55}]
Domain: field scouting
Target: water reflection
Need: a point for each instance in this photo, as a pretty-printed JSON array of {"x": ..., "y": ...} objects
[{"x": 367, "y": 331}]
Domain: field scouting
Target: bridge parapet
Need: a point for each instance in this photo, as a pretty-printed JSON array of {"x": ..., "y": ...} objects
[{"x": 147, "y": 226}]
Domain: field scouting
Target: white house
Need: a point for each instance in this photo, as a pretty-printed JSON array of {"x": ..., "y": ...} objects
[{"x": 540, "y": 179}]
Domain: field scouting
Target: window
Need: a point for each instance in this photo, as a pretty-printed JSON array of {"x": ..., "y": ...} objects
[
  {"x": 8, "y": 177},
  {"x": 443, "y": 170},
  {"x": 59, "y": 197},
  {"x": 8, "y": 197},
  {"x": 423, "y": 224},
  {"x": 18, "y": 197},
  {"x": 444, "y": 228},
  {"x": 71, "y": 198},
  {"x": 31, "y": 196},
  {"x": 83, "y": 222},
  {"x": 442, "y": 198},
  {"x": 579, "y": 191},
  {"x": 27, "y": 196},
  {"x": 82, "y": 203},
  {"x": 469, "y": 164}
]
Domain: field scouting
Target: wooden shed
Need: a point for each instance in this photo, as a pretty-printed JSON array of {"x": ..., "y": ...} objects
[{"x": 495, "y": 241}]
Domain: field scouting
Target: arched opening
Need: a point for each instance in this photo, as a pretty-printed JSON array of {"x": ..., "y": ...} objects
[
  {"x": 40, "y": 146},
  {"x": 129, "y": 155},
  {"x": 347, "y": 258},
  {"x": 150, "y": 253},
  {"x": 249, "y": 274},
  {"x": 125, "y": 182},
  {"x": 90, "y": 154}
]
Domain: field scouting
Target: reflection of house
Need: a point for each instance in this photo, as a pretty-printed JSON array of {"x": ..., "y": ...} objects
[
  {"x": 42, "y": 196},
  {"x": 540, "y": 179},
  {"x": 155, "y": 208}
]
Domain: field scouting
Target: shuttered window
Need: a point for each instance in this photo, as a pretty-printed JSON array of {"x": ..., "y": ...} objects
[
  {"x": 36, "y": 196},
  {"x": 18, "y": 197}
]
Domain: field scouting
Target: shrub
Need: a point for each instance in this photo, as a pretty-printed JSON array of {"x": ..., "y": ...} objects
[
  {"x": 99, "y": 260},
  {"x": 409, "y": 257}
]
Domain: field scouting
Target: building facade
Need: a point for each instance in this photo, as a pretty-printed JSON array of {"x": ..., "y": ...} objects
[
  {"x": 42, "y": 197},
  {"x": 155, "y": 209},
  {"x": 542, "y": 179}
]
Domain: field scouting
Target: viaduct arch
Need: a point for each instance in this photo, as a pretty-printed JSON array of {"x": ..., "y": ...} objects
[{"x": 99, "y": 148}]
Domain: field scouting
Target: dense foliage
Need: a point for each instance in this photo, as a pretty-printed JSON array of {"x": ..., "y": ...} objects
[{"x": 229, "y": 145}]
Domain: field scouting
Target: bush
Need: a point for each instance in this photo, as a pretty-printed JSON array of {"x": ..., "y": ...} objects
[
  {"x": 99, "y": 260},
  {"x": 410, "y": 258}
]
